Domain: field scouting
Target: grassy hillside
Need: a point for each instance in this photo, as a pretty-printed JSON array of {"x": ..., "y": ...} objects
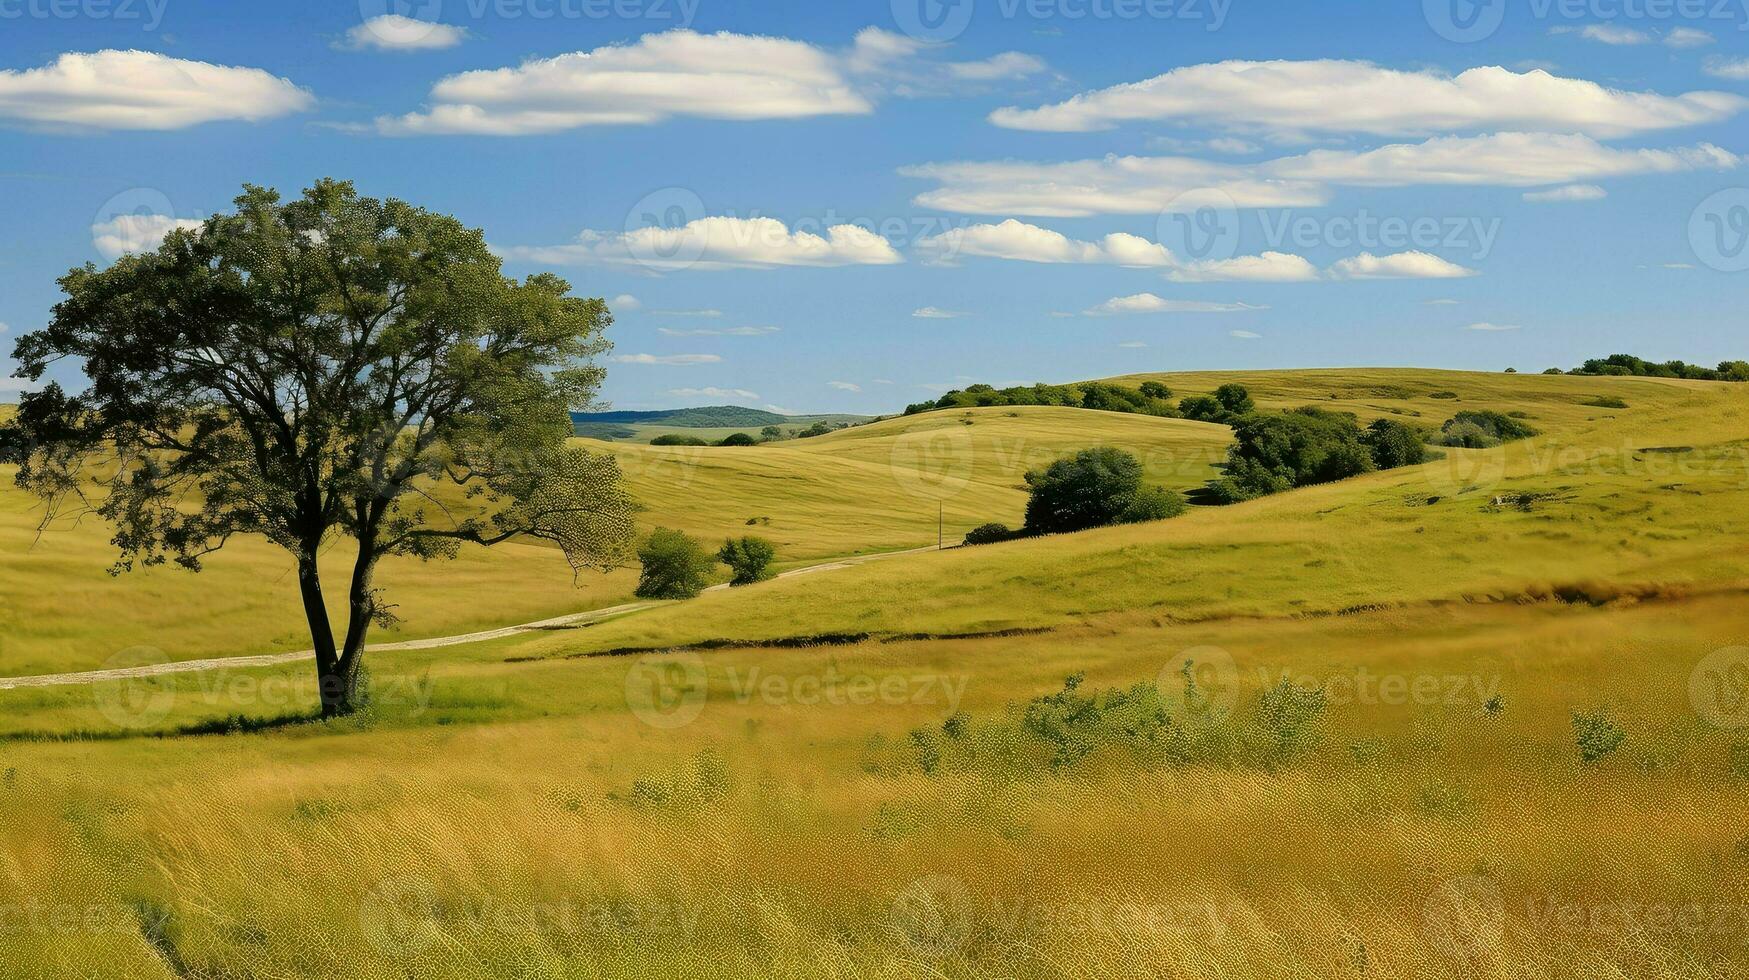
[
  {"x": 1377, "y": 770},
  {"x": 713, "y": 422},
  {"x": 864, "y": 490}
]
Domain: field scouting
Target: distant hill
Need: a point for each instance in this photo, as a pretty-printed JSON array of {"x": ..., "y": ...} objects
[
  {"x": 710, "y": 417},
  {"x": 711, "y": 422}
]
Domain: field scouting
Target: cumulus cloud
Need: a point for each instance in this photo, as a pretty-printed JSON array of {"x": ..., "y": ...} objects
[
  {"x": 717, "y": 243},
  {"x": 735, "y": 394},
  {"x": 725, "y": 332},
  {"x": 1293, "y": 97},
  {"x": 685, "y": 73},
  {"x": 1403, "y": 265},
  {"x": 625, "y": 302},
  {"x": 143, "y": 90},
  {"x": 1109, "y": 185},
  {"x": 1029, "y": 243},
  {"x": 1267, "y": 267},
  {"x": 1688, "y": 37},
  {"x": 936, "y": 313},
  {"x": 1500, "y": 159},
  {"x": 133, "y": 233},
  {"x": 844, "y": 386},
  {"x": 1148, "y": 185},
  {"x": 669, "y": 359},
  {"x": 1609, "y": 34},
  {"x": 1571, "y": 192},
  {"x": 1734, "y": 69},
  {"x": 1150, "y": 303},
  {"x": 393, "y": 32}
]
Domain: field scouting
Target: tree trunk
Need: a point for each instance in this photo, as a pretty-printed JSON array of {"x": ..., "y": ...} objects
[
  {"x": 361, "y": 611},
  {"x": 337, "y": 690}
]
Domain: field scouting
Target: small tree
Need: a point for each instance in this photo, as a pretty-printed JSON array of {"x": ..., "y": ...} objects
[
  {"x": 1236, "y": 399},
  {"x": 771, "y": 433},
  {"x": 989, "y": 534},
  {"x": 749, "y": 559},
  {"x": 320, "y": 369},
  {"x": 1394, "y": 444},
  {"x": 1154, "y": 389},
  {"x": 1092, "y": 488},
  {"x": 738, "y": 439},
  {"x": 674, "y": 566}
]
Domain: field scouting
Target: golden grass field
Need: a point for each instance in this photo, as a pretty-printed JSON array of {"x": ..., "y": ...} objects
[{"x": 871, "y": 804}]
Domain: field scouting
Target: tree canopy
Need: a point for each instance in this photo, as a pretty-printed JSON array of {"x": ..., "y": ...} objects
[{"x": 319, "y": 368}]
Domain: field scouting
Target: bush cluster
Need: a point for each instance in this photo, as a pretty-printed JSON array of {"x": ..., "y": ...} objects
[
  {"x": 1151, "y": 398},
  {"x": 675, "y": 566},
  {"x": 1627, "y": 365}
]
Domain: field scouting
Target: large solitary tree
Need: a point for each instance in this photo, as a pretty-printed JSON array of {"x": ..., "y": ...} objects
[{"x": 332, "y": 367}]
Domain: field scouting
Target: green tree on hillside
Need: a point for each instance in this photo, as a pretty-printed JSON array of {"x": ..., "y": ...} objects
[
  {"x": 674, "y": 566},
  {"x": 1094, "y": 488},
  {"x": 315, "y": 370}
]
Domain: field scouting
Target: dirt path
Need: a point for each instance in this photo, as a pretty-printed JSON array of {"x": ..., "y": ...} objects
[{"x": 430, "y": 643}]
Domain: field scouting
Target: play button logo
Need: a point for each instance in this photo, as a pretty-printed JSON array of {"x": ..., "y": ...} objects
[{"x": 1464, "y": 21}]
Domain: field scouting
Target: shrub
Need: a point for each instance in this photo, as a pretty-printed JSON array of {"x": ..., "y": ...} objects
[
  {"x": 989, "y": 534},
  {"x": 1502, "y": 427},
  {"x": 818, "y": 429},
  {"x": 748, "y": 558},
  {"x": 1606, "y": 401},
  {"x": 1467, "y": 435},
  {"x": 674, "y": 566},
  {"x": 1155, "y": 390},
  {"x": 676, "y": 439},
  {"x": 1236, "y": 399},
  {"x": 1152, "y": 504},
  {"x": 1073, "y": 724},
  {"x": 1446, "y": 395},
  {"x": 738, "y": 439},
  {"x": 1202, "y": 408},
  {"x": 1596, "y": 734},
  {"x": 1093, "y": 488},
  {"x": 1272, "y": 453},
  {"x": 770, "y": 433},
  {"x": 1394, "y": 444}
]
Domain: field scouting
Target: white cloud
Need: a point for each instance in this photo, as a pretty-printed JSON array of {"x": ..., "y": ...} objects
[
  {"x": 1292, "y": 97},
  {"x": 700, "y": 313},
  {"x": 626, "y": 302},
  {"x": 1735, "y": 69},
  {"x": 779, "y": 409},
  {"x": 1149, "y": 303},
  {"x": 1110, "y": 185},
  {"x": 725, "y": 332},
  {"x": 667, "y": 358},
  {"x": 1611, "y": 34},
  {"x": 1493, "y": 327},
  {"x": 677, "y": 73},
  {"x": 1148, "y": 185},
  {"x": 133, "y": 233},
  {"x": 393, "y": 32},
  {"x": 843, "y": 386},
  {"x": 143, "y": 90},
  {"x": 1029, "y": 243},
  {"x": 1268, "y": 267},
  {"x": 1133, "y": 345},
  {"x": 1442, "y": 302},
  {"x": 737, "y": 394},
  {"x": 1571, "y": 192},
  {"x": 935, "y": 313},
  {"x": 1500, "y": 159},
  {"x": 1244, "y": 335},
  {"x": 1688, "y": 37},
  {"x": 1403, "y": 265},
  {"x": 718, "y": 243},
  {"x": 684, "y": 73}
]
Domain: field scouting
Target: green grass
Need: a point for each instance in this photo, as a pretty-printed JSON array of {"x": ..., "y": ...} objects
[{"x": 526, "y": 807}]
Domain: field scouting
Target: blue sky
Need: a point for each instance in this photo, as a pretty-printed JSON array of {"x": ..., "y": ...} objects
[{"x": 1295, "y": 184}]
